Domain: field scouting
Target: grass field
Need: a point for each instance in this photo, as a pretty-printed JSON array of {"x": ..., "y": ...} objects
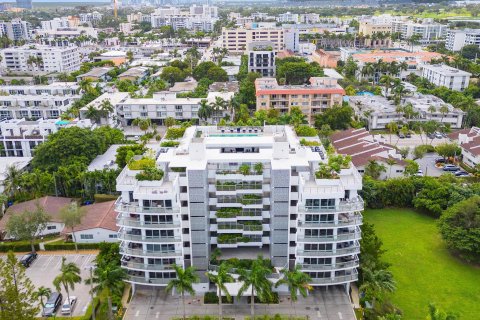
[{"x": 423, "y": 268}]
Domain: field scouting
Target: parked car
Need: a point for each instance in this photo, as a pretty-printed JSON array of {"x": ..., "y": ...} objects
[
  {"x": 419, "y": 173},
  {"x": 431, "y": 135},
  {"x": 53, "y": 303},
  {"x": 438, "y": 135},
  {"x": 451, "y": 168},
  {"x": 440, "y": 160},
  {"x": 68, "y": 305},
  {"x": 401, "y": 135},
  {"x": 27, "y": 259},
  {"x": 408, "y": 135},
  {"x": 461, "y": 173}
]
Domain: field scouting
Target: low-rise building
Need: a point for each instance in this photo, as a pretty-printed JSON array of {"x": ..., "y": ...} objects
[
  {"x": 19, "y": 137},
  {"x": 19, "y": 163},
  {"x": 135, "y": 74},
  {"x": 96, "y": 74},
  {"x": 320, "y": 94},
  {"x": 117, "y": 57},
  {"x": 430, "y": 107},
  {"x": 445, "y": 76},
  {"x": 326, "y": 59},
  {"x": 469, "y": 141},
  {"x": 377, "y": 111}
]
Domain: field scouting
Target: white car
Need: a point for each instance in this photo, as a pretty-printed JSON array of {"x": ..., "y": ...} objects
[
  {"x": 68, "y": 305},
  {"x": 419, "y": 173}
]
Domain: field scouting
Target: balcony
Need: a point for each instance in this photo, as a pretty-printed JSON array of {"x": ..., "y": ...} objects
[
  {"x": 332, "y": 238},
  {"x": 142, "y": 280},
  {"x": 338, "y": 265},
  {"x": 142, "y": 266},
  {"x": 133, "y": 207},
  {"x": 132, "y": 222},
  {"x": 357, "y": 220},
  {"x": 335, "y": 280},
  {"x": 145, "y": 253},
  {"x": 344, "y": 206},
  {"x": 140, "y": 238},
  {"x": 329, "y": 253}
]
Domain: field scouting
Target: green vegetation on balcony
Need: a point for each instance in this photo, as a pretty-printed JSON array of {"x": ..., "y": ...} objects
[
  {"x": 305, "y": 131},
  {"x": 175, "y": 133},
  {"x": 331, "y": 169},
  {"x": 228, "y": 212},
  {"x": 250, "y": 199},
  {"x": 244, "y": 225},
  {"x": 150, "y": 174},
  {"x": 232, "y": 185},
  {"x": 169, "y": 143},
  {"x": 232, "y": 238},
  {"x": 306, "y": 143},
  {"x": 141, "y": 164},
  {"x": 178, "y": 169}
]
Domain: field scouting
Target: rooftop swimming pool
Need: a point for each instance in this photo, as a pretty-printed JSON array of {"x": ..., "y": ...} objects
[{"x": 234, "y": 135}]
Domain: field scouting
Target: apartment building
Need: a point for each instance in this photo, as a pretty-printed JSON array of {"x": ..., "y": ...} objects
[
  {"x": 20, "y": 137},
  {"x": 446, "y": 76},
  {"x": 90, "y": 17},
  {"x": 378, "y": 111},
  {"x": 443, "y": 113},
  {"x": 457, "y": 39},
  {"x": 428, "y": 31},
  {"x": 16, "y": 29},
  {"x": 39, "y": 101},
  {"x": 40, "y": 59},
  {"x": 198, "y": 18},
  {"x": 320, "y": 94},
  {"x": 288, "y": 17},
  {"x": 236, "y": 40},
  {"x": 261, "y": 58},
  {"x": 246, "y": 191}
]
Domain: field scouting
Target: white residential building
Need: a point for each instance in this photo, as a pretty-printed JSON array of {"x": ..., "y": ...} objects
[
  {"x": 446, "y": 76},
  {"x": 16, "y": 29},
  {"x": 236, "y": 40},
  {"x": 288, "y": 17},
  {"x": 55, "y": 23},
  {"x": 90, "y": 17},
  {"x": 204, "y": 202},
  {"x": 376, "y": 110},
  {"x": 48, "y": 59},
  {"x": 457, "y": 39},
  {"x": 19, "y": 137},
  {"x": 199, "y": 18},
  {"x": 261, "y": 58},
  {"x": 428, "y": 31}
]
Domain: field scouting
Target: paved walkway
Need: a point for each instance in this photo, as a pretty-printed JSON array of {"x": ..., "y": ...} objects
[{"x": 321, "y": 304}]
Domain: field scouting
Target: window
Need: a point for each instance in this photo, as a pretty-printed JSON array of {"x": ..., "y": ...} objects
[
  {"x": 86, "y": 236},
  {"x": 51, "y": 227},
  {"x": 112, "y": 236}
]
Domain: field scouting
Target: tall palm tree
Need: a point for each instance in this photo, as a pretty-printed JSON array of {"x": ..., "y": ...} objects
[
  {"x": 68, "y": 277},
  {"x": 11, "y": 181},
  {"x": 108, "y": 278},
  {"x": 374, "y": 169},
  {"x": 391, "y": 162},
  {"x": 219, "y": 279},
  {"x": 205, "y": 110},
  {"x": 42, "y": 292},
  {"x": 377, "y": 282},
  {"x": 256, "y": 280},
  {"x": 297, "y": 281},
  {"x": 387, "y": 81},
  {"x": 443, "y": 110},
  {"x": 392, "y": 127},
  {"x": 183, "y": 283}
]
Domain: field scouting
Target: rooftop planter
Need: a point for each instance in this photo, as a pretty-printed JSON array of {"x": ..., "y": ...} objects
[
  {"x": 250, "y": 199},
  {"x": 141, "y": 164},
  {"x": 175, "y": 133},
  {"x": 169, "y": 143},
  {"x": 305, "y": 131},
  {"x": 150, "y": 174},
  {"x": 332, "y": 169}
]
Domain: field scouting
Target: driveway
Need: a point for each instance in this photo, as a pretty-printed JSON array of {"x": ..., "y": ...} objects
[
  {"x": 47, "y": 266},
  {"x": 412, "y": 142},
  {"x": 321, "y": 304},
  {"x": 427, "y": 164}
]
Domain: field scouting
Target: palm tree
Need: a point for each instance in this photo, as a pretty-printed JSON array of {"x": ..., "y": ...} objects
[
  {"x": 256, "y": 280},
  {"x": 443, "y": 110},
  {"x": 377, "y": 282},
  {"x": 374, "y": 169},
  {"x": 11, "y": 182},
  {"x": 219, "y": 279},
  {"x": 368, "y": 69},
  {"x": 68, "y": 277},
  {"x": 387, "y": 81},
  {"x": 392, "y": 128},
  {"x": 42, "y": 292},
  {"x": 205, "y": 110},
  {"x": 391, "y": 162},
  {"x": 183, "y": 283},
  {"x": 297, "y": 281},
  {"x": 71, "y": 216},
  {"x": 108, "y": 278}
]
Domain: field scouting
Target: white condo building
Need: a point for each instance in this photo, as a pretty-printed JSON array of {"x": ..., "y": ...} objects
[
  {"x": 427, "y": 31},
  {"x": 37, "y": 102},
  {"x": 16, "y": 29},
  {"x": 207, "y": 200},
  {"x": 446, "y": 76},
  {"x": 457, "y": 39},
  {"x": 48, "y": 59}
]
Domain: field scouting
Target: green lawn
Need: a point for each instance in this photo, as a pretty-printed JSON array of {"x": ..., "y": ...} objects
[{"x": 423, "y": 268}]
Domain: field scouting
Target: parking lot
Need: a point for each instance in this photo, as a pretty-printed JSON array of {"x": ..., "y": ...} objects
[
  {"x": 46, "y": 267},
  {"x": 413, "y": 141}
]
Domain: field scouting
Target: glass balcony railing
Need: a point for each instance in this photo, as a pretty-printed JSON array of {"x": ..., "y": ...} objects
[
  {"x": 142, "y": 266},
  {"x": 335, "y": 280},
  {"x": 140, "y": 238},
  {"x": 145, "y": 253},
  {"x": 143, "y": 280}
]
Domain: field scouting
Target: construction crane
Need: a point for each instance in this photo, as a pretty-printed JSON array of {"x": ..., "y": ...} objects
[{"x": 115, "y": 8}]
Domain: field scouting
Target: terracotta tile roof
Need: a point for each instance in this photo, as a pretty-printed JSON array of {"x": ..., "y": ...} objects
[
  {"x": 99, "y": 215},
  {"x": 473, "y": 146},
  {"x": 454, "y": 135},
  {"x": 52, "y": 206},
  {"x": 390, "y": 56}
]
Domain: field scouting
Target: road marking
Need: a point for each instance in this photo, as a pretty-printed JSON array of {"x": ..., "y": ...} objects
[
  {"x": 137, "y": 313},
  {"x": 76, "y": 258},
  {"x": 340, "y": 315},
  {"x": 86, "y": 261},
  {"x": 57, "y": 266},
  {"x": 47, "y": 263},
  {"x": 319, "y": 315},
  {"x": 157, "y": 315}
]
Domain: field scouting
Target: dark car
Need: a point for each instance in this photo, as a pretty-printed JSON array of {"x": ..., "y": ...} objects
[
  {"x": 401, "y": 135},
  {"x": 440, "y": 160},
  {"x": 53, "y": 303},
  {"x": 27, "y": 259},
  {"x": 451, "y": 168},
  {"x": 461, "y": 173},
  {"x": 408, "y": 135}
]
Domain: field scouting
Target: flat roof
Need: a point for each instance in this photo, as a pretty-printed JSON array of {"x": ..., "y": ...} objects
[{"x": 106, "y": 160}]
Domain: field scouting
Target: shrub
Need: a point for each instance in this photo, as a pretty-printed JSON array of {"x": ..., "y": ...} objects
[
  {"x": 150, "y": 174},
  {"x": 62, "y": 245},
  {"x": 273, "y": 299},
  {"x": 169, "y": 143},
  {"x": 178, "y": 169},
  {"x": 104, "y": 197},
  {"x": 305, "y": 131},
  {"x": 17, "y": 246},
  {"x": 175, "y": 133},
  {"x": 304, "y": 142},
  {"x": 141, "y": 164},
  {"x": 135, "y": 149},
  {"x": 212, "y": 298}
]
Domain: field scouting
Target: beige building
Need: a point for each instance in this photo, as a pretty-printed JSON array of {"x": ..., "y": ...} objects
[
  {"x": 322, "y": 93},
  {"x": 368, "y": 28},
  {"x": 236, "y": 40}
]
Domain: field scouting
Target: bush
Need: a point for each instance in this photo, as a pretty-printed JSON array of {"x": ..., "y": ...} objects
[
  {"x": 304, "y": 142},
  {"x": 175, "y": 133},
  {"x": 212, "y": 298},
  {"x": 273, "y": 299},
  {"x": 141, "y": 164},
  {"x": 62, "y": 245},
  {"x": 150, "y": 174},
  {"x": 305, "y": 131},
  {"x": 17, "y": 246},
  {"x": 169, "y": 144},
  {"x": 120, "y": 158},
  {"x": 104, "y": 197}
]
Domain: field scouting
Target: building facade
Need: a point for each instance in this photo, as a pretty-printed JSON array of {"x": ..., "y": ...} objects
[
  {"x": 237, "y": 40},
  {"x": 276, "y": 208},
  {"x": 322, "y": 93},
  {"x": 446, "y": 76},
  {"x": 261, "y": 59},
  {"x": 457, "y": 39}
]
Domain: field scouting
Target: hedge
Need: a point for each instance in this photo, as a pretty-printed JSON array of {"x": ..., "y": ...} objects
[
  {"x": 98, "y": 197},
  {"x": 212, "y": 298},
  {"x": 17, "y": 246},
  {"x": 61, "y": 245}
]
